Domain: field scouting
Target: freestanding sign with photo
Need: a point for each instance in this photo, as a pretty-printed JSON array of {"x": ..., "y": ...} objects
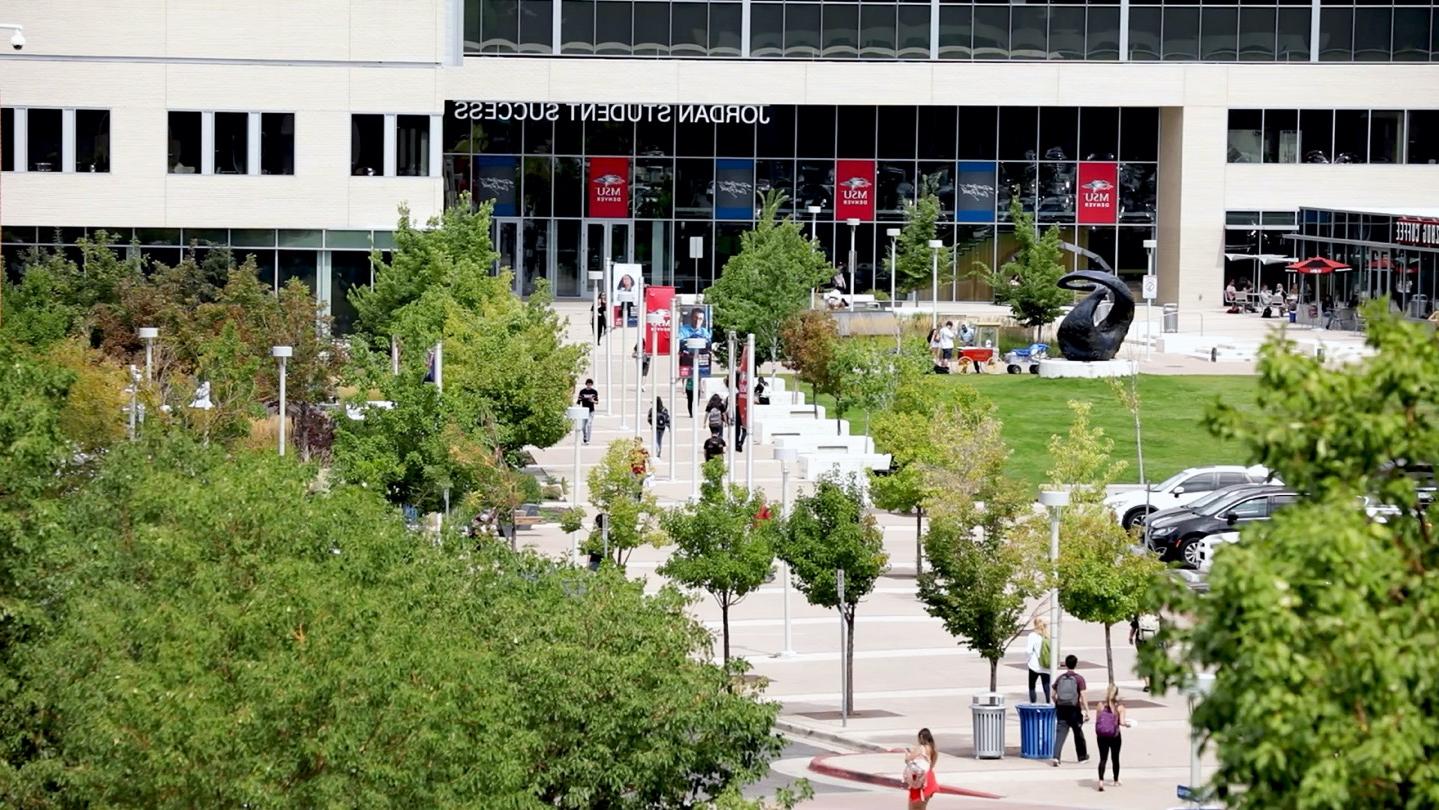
[
  {"x": 609, "y": 188},
  {"x": 657, "y": 304},
  {"x": 854, "y": 190},
  {"x": 1097, "y": 195},
  {"x": 695, "y": 335},
  {"x": 626, "y": 279}
]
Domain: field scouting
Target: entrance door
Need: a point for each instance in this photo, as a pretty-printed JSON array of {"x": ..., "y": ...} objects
[
  {"x": 611, "y": 239},
  {"x": 507, "y": 244}
]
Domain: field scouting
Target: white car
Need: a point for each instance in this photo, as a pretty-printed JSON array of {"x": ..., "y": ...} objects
[{"x": 1184, "y": 487}]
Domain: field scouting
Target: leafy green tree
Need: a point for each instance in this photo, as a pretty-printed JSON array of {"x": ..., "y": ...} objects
[
  {"x": 617, "y": 491},
  {"x": 810, "y": 341},
  {"x": 724, "y": 543},
  {"x": 980, "y": 580},
  {"x": 768, "y": 281},
  {"x": 914, "y": 256},
  {"x": 207, "y": 648},
  {"x": 1318, "y": 624},
  {"x": 1028, "y": 281},
  {"x": 828, "y": 531},
  {"x": 866, "y": 376}
]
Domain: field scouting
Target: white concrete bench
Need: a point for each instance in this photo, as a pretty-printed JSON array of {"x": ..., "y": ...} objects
[
  {"x": 771, "y": 429},
  {"x": 827, "y": 443},
  {"x": 814, "y": 465},
  {"x": 773, "y": 411}
]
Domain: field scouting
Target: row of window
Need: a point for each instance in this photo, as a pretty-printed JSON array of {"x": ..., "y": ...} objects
[
  {"x": 890, "y": 30},
  {"x": 54, "y": 140},
  {"x": 1334, "y": 136},
  {"x": 230, "y": 143}
]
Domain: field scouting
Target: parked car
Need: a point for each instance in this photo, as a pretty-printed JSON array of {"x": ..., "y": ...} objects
[
  {"x": 1182, "y": 488},
  {"x": 1177, "y": 537}
]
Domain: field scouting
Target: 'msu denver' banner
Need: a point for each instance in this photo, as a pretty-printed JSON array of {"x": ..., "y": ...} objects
[
  {"x": 854, "y": 190},
  {"x": 609, "y": 188},
  {"x": 1097, "y": 197}
]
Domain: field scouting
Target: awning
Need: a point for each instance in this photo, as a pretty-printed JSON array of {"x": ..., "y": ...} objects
[{"x": 1317, "y": 265}]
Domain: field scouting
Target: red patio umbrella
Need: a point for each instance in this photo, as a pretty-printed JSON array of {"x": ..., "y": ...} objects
[{"x": 1316, "y": 266}]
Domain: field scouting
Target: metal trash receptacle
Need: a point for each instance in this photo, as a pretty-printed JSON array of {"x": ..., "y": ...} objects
[
  {"x": 987, "y": 714},
  {"x": 1036, "y": 730},
  {"x": 1171, "y": 318}
]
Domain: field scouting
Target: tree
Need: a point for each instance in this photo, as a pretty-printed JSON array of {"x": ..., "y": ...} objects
[
  {"x": 316, "y": 655},
  {"x": 1318, "y": 624},
  {"x": 914, "y": 255},
  {"x": 810, "y": 341},
  {"x": 1028, "y": 281},
  {"x": 979, "y": 579},
  {"x": 1099, "y": 579},
  {"x": 618, "y": 492},
  {"x": 866, "y": 375},
  {"x": 828, "y": 531},
  {"x": 724, "y": 543},
  {"x": 768, "y": 281}
]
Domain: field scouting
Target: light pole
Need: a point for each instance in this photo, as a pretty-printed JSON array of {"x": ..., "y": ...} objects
[
  {"x": 893, "y": 234},
  {"x": 695, "y": 345},
  {"x": 1055, "y": 500},
  {"x": 596, "y": 278},
  {"x": 1196, "y": 693},
  {"x": 813, "y": 220},
  {"x": 577, "y": 415},
  {"x": 853, "y": 223},
  {"x": 748, "y": 412},
  {"x": 134, "y": 399},
  {"x": 934, "y": 246},
  {"x": 1151, "y": 285},
  {"x": 282, "y": 353},
  {"x": 785, "y": 456},
  {"x": 148, "y": 334}
]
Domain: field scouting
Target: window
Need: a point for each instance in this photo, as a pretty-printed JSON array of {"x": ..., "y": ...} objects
[
  {"x": 1386, "y": 131},
  {"x": 1203, "y": 482},
  {"x": 689, "y": 29},
  {"x": 277, "y": 143},
  {"x": 1316, "y": 135},
  {"x": 1256, "y": 34},
  {"x": 1281, "y": 136},
  {"x": 184, "y": 138},
  {"x": 1066, "y": 32},
  {"x": 841, "y": 30},
  {"x": 766, "y": 37},
  {"x": 1252, "y": 509},
  {"x": 913, "y": 32},
  {"x": 1218, "y": 32},
  {"x": 1245, "y": 129},
  {"x": 92, "y": 140},
  {"x": 232, "y": 143},
  {"x": 1336, "y": 35},
  {"x": 44, "y": 139},
  {"x": 1293, "y": 35},
  {"x": 1423, "y": 137},
  {"x": 1351, "y": 136},
  {"x": 1144, "y": 27},
  {"x": 412, "y": 146},
  {"x": 1181, "y": 34},
  {"x": 955, "y": 34},
  {"x": 367, "y": 145},
  {"x": 7, "y": 139},
  {"x": 536, "y": 26},
  {"x": 1410, "y": 42},
  {"x": 577, "y": 26},
  {"x": 1229, "y": 479},
  {"x": 801, "y": 30},
  {"x": 1371, "y": 34},
  {"x": 613, "y": 23},
  {"x": 725, "y": 25},
  {"x": 1102, "y": 40}
]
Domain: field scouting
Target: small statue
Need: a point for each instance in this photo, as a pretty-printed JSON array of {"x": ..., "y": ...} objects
[
  {"x": 1080, "y": 337},
  {"x": 202, "y": 397}
]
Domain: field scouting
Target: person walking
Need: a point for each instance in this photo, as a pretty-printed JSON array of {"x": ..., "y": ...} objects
[
  {"x": 919, "y": 771},
  {"x": 1069, "y": 711},
  {"x": 589, "y": 397},
  {"x": 1109, "y": 718},
  {"x": 946, "y": 343},
  {"x": 1037, "y": 646},
  {"x": 1142, "y": 630},
  {"x": 659, "y": 417},
  {"x": 689, "y": 383},
  {"x": 715, "y": 416},
  {"x": 714, "y": 446},
  {"x": 601, "y": 319}
]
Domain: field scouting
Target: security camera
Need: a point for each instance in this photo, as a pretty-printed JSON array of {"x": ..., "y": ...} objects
[{"x": 18, "y": 41}]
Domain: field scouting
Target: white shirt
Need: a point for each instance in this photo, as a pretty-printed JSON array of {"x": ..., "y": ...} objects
[
  {"x": 946, "y": 337},
  {"x": 1033, "y": 645}
]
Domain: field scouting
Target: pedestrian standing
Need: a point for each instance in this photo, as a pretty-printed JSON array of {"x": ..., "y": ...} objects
[
  {"x": 659, "y": 417},
  {"x": 601, "y": 317},
  {"x": 919, "y": 771},
  {"x": 589, "y": 397},
  {"x": 690, "y": 394},
  {"x": 1109, "y": 719},
  {"x": 1142, "y": 630},
  {"x": 1037, "y": 646},
  {"x": 946, "y": 342},
  {"x": 1069, "y": 711}
]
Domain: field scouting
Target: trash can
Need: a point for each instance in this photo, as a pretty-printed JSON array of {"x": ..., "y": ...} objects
[
  {"x": 987, "y": 712},
  {"x": 1171, "y": 318},
  {"x": 1036, "y": 730}
]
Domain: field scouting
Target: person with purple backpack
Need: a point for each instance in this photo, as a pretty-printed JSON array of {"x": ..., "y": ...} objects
[{"x": 1109, "y": 718}]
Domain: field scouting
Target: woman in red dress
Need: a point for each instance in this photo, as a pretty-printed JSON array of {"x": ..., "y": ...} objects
[{"x": 919, "y": 797}]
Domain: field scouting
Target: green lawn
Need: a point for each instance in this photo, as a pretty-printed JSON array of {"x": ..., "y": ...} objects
[{"x": 1032, "y": 409}]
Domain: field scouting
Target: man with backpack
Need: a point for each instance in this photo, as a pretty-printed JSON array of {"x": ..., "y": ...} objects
[
  {"x": 1069, "y": 710},
  {"x": 714, "y": 447}
]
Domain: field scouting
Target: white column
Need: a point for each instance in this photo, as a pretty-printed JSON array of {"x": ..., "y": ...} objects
[
  {"x": 207, "y": 143},
  {"x": 67, "y": 141},
  {"x": 1190, "y": 233},
  {"x": 252, "y": 144},
  {"x": 392, "y": 162},
  {"x": 743, "y": 29},
  {"x": 1314, "y": 7},
  {"x": 22, "y": 139},
  {"x": 437, "y": 134},
  {"x": 934, "y": 29},
  {"x": 640, "y": 348},
  {"x": 1124, "y": 30}
]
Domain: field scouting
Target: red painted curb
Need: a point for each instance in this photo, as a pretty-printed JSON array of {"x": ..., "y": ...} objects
[{"x": 821, "y": 766}]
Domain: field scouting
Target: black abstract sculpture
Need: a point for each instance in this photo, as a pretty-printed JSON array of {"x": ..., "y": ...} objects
[{"x": 1080, "y": 337}]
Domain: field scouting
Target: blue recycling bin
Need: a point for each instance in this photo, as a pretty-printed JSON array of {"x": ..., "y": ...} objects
[{"x": 1036, "y": 730}]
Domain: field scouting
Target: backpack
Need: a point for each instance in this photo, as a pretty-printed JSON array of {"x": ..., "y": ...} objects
[
  {"x": 716, "y": 419},
  {"x": 1066, "y": 690},
  {"x": 1044, "y": 654},
  {"x": 664, "y": 422},
  {"x": 1107, "y": 723},
  {"x": 916, "y": 771},
  {"x": 1148, "y": 627}
]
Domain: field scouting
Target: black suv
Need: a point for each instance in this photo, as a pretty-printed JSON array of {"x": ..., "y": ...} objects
[{"x": 1175, "y": 534}]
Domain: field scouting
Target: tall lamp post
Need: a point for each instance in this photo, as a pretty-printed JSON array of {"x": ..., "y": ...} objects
[
  {"x": 853, "y": 223},
  {"x": 785, "y": 456},
  {"x": 813, "y": 220},
  {"x": 148, "y": 334},
  {"x": 577, "y": 415},
  {"x": 1054, "y": 500},
  {"x": 695, "y": 345},
  {"x": 893, "y": 234},
  {"x": 934, "y": 246},
  {"x": 282, "y": 354},
  {"x": 1150, "y": 288}
]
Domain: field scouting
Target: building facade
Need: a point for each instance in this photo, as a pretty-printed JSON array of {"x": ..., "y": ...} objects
[{"x": 648, "y": 130}]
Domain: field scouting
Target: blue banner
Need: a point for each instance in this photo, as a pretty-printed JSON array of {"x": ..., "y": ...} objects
[
  {"x": 974, "y": 196},
  {"x": 497, "y": 178},
  {"x": 734, "y": 196}
]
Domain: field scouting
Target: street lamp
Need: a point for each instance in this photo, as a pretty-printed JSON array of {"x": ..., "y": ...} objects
[
  {"x": 893, "y": 234},
  {"x": 785, "y": 456},
  {"x": 134, "y": 391},
  {"x": 853, "y": 223},
  {"x": 1150, "y": 288},
  {"x": 813, "y": 216},
  {"x": 577, "y": 415},
  {"x": 148, "y": 334},
  {"x": 1055, "y": 500},
  {"x": 1196, "y": 693},
  {"x": 695, "y": 345},
  {"x": 282, "y": 353},
  {"x": 934, "y": 246}
]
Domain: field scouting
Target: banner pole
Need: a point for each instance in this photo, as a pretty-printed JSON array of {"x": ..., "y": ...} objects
[
  {"x": 609, "y": 343},
  {"x": 674, "y": 361},
  {"x": 733, "y": 403},
  {"x": 642, "y": 325},
  {"x": 749, "y": 395}
]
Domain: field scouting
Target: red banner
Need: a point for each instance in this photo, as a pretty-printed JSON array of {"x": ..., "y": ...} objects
[
  {"x": 853, "y": 190},
  {"x": 657, "y": 302},
  {"x": 609, "y": 188},
  {"x": 1097, "y": 195}
]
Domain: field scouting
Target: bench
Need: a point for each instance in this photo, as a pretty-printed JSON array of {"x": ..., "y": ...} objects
[
  {"x": 826, "y": 443},
  {"x": 770, "y": 429},
  {"x": 784, "y": 411}
]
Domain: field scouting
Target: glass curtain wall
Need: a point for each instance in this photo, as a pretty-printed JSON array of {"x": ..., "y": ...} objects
[{"x": 684, "y": 179}]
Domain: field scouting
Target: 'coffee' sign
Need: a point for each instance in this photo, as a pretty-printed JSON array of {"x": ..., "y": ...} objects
[
  {"x": 1097, "y": 195},
  {"x": 854, "y": 190},
  {"x": 609, "y": 187},
  {"x": 1416, "y": 231}
]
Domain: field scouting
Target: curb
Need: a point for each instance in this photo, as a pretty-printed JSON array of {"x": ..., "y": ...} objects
[
  {"x": 821, "y": 766},
  {"x": 797, "y": 730}
]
